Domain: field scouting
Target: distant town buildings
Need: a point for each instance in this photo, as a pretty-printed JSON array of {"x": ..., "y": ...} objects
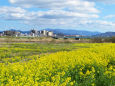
[
  {"x": 42, "y": 33},
  {"x": 35, "y": 33},
  {"x": 32, "y": 33},
  {"x": 11, "y": 33}
]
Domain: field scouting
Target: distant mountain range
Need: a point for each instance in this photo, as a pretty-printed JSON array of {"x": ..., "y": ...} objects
[
  {"x": 107, "y": 34},
  {"x": 73, "y": 32}
]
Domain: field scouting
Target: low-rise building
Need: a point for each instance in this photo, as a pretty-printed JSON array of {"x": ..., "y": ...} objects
[
  {"x": 11, "y": 33},
  {"x": 45, "y": 33},
  {"x": 76, "y": 37},
  {"x": 1, "y": 34},
  {"x": 34, "y": 33},
  {"x": 50, "y": 33}
]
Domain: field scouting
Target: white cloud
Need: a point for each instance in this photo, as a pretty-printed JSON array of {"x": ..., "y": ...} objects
[
  {"x": 76, "y": 5},
  {"x": 16, "y": 13},
  {"x": 12, "y": 12},
  {"x": 109, "y": 16},
  {"x": 103, "y": 1},
  {"x": 21, "y": 14},
  {"x": 105, "y": 23},
  {"x": 59, "y": 8},
  {"x": 6, "y": 9},
  {"x": 55, "y": 14},
  {"x": 98, "y": 23},
  {"x": 56, "y": 9}
]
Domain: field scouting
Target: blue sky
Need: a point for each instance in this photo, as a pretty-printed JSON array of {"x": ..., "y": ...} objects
[{"x": 98, "y": 15}]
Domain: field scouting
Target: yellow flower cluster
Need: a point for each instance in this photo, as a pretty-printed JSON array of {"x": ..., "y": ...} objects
[{"x": 90, "y": 66}]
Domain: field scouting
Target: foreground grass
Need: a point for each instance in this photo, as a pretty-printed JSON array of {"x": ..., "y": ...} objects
[
  {"x": 89, "y": 65},
  {"x": 15, "y": 52}
]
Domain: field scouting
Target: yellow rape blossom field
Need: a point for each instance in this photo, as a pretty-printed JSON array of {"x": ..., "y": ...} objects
[{"x": 74, "y": 65}]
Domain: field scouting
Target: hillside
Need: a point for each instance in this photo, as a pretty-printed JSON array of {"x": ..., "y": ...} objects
[{"x": 107, "y": 34}]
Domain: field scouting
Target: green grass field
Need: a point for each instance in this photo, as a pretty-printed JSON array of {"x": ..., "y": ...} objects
[{"x": 14, "y": 52}]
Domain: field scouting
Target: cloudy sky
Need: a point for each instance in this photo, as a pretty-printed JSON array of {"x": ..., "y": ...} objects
[{"x": 91, "y": 15}]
